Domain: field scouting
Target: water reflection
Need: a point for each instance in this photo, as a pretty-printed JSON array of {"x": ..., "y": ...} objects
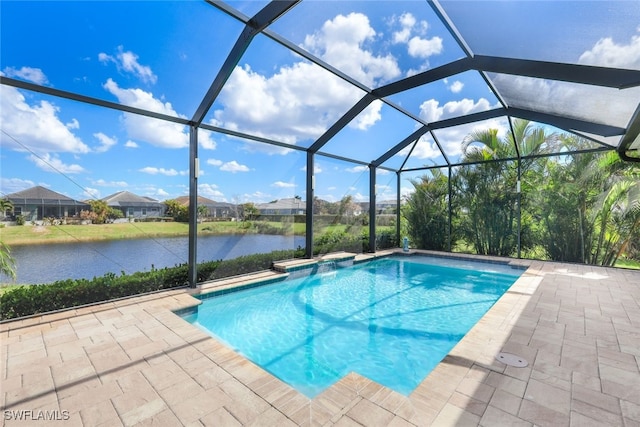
[{"x": 51, "y": 262}]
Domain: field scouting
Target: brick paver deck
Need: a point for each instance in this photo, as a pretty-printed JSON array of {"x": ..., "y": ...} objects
[{"x": 134, "y": 362}]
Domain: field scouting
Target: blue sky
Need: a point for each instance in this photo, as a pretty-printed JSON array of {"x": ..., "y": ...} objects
[{"x": 163, "y": 55}]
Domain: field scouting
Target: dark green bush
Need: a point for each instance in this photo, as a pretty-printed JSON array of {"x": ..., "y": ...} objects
[
  {"x": 28, "y": 300},
  {"x": 335, "y": 241},
  {"x": 251, "y": 263}
]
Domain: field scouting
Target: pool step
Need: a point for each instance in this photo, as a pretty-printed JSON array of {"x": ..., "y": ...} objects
[
  {"x": 239, "y": 281},
  {"x": 301, "y": 264}
]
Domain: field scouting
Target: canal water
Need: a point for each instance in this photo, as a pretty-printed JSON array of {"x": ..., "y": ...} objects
[{"x": 57, "y": 261}]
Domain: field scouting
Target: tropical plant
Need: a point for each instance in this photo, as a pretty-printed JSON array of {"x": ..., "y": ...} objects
[
  {"x": 6, "y": 205},
  {"x": 616, "y": 212},
  {"x": 100, "y": 209},
  {"x": 203, "y": 211},
  {"x": 249, "y": 211},
  {"x": 7, "y": 263},
  {"x": 426, "y": 211},
  {"x": 178, "y": 211},
  {"x": 486, "y": 189}
]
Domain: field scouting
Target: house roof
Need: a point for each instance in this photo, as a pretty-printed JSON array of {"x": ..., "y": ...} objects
[
  {"x": 203, "y": 201},
  {"x": 128, "y": 199},
  {"x": 283, "y": 204},
  {"x": 42, "y": 195}
]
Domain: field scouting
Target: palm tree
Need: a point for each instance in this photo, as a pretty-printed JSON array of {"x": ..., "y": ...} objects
[
  {"x": 5, "y": 205},
  {"x": 616, "y": 213},
  {"x": 487, "y": 189}
]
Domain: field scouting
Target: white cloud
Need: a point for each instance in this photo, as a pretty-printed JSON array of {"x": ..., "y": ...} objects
[
  {"x": 106, "y": 142},
  {"x": 426, "y": 148},
  {"x": 210, "y": 191},
  {"x": 92, "y": 193},
  {"x": 73, "y": 124},
  {"x": 13, "y": 185},
  {"x": 205, "y": 140},
  {"x": 368, "y": 117},
  {"x": 300, "y": 101},
  {"x": 289, "y": 106},
  {"x": 162, "y": 171},
  {"x": 214, "y": 162},
  {"x": 431, "y": 111},
  {"x": 34, "y": 75},
  {"x": 128, "y": 61},
  {"x": 50, "y": 163},
  {"x": 608, "y": 53},
  {"x": 413, "y": 33},
  {"x": 281, "y": 184},
  {"x": 341, "y": 42},
  {"x": 407, "y": 21},
  {"x": 36, "y": 126},
  {"x": 357, "y": 169},
  {"x": 160, "y": 133},
  {"x": 159, "y": 193},
  {"x": 359, "y": 197},
  {"x": 103, "y": 183},
  {"x": 255, "y": 197},
  {"x": 131, "y": 144},
  {"x": 234, "y": 167},
  {"x": 424, "y": 48},
  {"x": 456, "y": 86},
  {"x": 156, "y": 132}
]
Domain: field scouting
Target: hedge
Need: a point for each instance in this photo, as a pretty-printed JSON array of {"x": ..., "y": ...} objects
[{"x": 35, "y": 299}]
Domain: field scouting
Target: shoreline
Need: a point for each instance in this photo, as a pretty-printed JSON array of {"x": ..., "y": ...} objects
[{"x": 31, "y": 235}]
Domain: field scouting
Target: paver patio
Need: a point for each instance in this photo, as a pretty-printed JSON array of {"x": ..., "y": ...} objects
[{"x": 135, "y": 362}]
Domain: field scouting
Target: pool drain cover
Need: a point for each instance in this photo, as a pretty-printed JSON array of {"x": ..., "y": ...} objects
[{"x": 511, "y": 360}]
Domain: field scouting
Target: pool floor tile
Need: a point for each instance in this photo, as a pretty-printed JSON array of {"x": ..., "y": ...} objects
[{"x": 134, "y": 362}]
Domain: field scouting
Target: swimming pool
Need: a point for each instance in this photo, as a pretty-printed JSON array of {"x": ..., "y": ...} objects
[{"x": 391, "y": 320}]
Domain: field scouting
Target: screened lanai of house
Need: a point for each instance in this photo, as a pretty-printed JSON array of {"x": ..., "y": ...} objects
[{"x": 368, "y": 92}]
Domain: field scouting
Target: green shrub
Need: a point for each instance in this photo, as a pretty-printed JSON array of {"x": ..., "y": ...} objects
[
  {"x": 20, "y": 220},
  {"x": 335, "y": 241},
  {"x": 34, "y": 299},
  {"x": 251, "y": 263}
]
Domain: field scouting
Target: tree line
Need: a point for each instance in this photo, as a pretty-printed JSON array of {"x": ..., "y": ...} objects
[{"x": 576, "y": 207}]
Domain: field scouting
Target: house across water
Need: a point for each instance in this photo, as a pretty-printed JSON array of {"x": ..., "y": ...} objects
[
  {"x": 134, "y": 206},
  {"x": 37, "y": 203}
]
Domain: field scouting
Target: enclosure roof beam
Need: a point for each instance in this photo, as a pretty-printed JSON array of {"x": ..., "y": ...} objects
[
  {"x": 21, "y": 84},
  {"x": 426, "y": 77},
  {"x": 342, "y": 122},
  {"x": 566, "y": 123},
  {"x": 631, "y": 140},
  {"x": 400, "y": 146},
  {"x": 249, "y": 137},
  {"x": 574, "y": 73},
  {"x": 259, "y": 22}
]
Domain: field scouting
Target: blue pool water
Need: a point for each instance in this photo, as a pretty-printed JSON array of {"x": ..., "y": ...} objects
[{"x": 391, "y": 320}]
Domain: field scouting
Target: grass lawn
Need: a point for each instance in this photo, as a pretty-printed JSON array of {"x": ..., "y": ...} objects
[{"x": 27, "y": 234}]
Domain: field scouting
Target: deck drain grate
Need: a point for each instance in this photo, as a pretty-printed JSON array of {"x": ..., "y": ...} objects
[{"x": 511, "y": 360}]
